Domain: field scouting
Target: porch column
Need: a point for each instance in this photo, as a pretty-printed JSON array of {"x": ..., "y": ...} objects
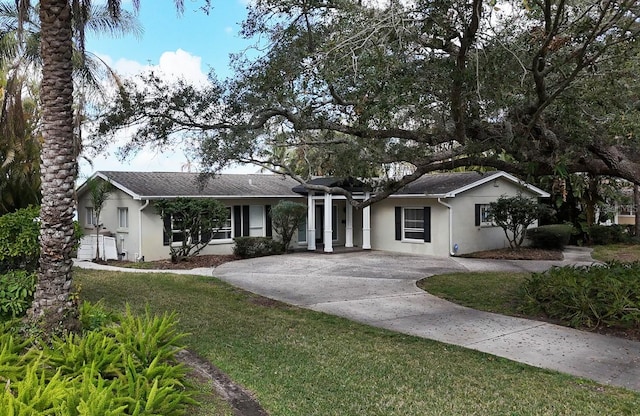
[
  {"x": 311, "y": 222},
  {"x": 348, "y": 238},
  {"x": 328, "y": 221},
  {"x": 366, "y": 225}
]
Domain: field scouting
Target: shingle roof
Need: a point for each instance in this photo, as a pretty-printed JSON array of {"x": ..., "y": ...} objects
[
  {"x": 350, "y": 184},
  {"x": 150, "y": 185},
  {"x": 451, "y": 184},
  {"x": 443, "y": 183}
]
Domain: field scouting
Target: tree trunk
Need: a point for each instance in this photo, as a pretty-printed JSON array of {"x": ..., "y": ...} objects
[
  {"x": 58, "y": 169},
  {"x": 636, "y": 207}
]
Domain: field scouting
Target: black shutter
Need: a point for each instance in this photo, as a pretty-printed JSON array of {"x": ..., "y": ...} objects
[
  {"x": 398, "y": 223},
  {"x": 237, "y": 221},
  {"x": 245, "y": 220},
  {"x": 427, "y": 224},
  {"x": 166, "y": 230},
  {"x": 477, "y": 215},
  {"x": 269, "y": 226}
]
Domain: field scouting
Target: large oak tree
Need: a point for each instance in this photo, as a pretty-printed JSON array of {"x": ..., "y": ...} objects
[{"x": 544, "y": 87}]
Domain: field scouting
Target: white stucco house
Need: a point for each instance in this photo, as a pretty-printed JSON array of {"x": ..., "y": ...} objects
[{"x": 439, "y": 214}]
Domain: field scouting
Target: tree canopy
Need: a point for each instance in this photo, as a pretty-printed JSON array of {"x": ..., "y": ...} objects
[{"x": 545, "y": 87}]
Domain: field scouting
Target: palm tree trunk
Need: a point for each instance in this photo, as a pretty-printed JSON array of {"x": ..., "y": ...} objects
[{"x": 59, "y": 166}]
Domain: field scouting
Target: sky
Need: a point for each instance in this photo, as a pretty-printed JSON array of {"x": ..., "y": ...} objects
[{"x": 189, "y": 45}]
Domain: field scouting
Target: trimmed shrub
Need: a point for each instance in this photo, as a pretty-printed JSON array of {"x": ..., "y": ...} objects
[
  {"x": 19, "y": 247},
  {"x": 587, "y": 296},
  {"x": 286, "y": 217},
  {"x": 248, "y": 247},
  {"x": 16, "y": 292},
  {"x": 19, "y": 239},
  {"x": 607, "y": 234},
  {"x": 554, "y": 236}
]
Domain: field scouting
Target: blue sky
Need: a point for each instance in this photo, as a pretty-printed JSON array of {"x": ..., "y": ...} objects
[{"x": 188, "y": 46}]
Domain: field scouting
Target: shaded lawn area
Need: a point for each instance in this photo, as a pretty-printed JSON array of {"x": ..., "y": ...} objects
[
  {"x": 300, "y": 362},
  {"x": 618, "y": 252}
]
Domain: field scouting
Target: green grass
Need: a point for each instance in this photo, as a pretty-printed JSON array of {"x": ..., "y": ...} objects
[
  {"x": 619, "y": 252},
  {"x": 300, "y": 362},
  {"x": 490, "y": 291}
]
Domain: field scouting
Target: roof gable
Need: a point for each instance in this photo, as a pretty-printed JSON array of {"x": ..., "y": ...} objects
[{"x": 448, "y": 185}]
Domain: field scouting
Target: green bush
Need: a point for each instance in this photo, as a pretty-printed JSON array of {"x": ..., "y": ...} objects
[
  {"x": 286, "y": 217},
  {"x": 248, "y": 247},
  {"x": 19, "y": 247},
  {"x": 607, "y": 234},
  {"x": 587, "y": 296},
  {"x": 554, "y": 236},
  {"x": 97, "y": 373},
  {"x": 16, "y": 292},
  {"x": 19, "y": 239}
]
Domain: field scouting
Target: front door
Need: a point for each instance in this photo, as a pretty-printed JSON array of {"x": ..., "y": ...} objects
[{"x": 319, "y": 223}]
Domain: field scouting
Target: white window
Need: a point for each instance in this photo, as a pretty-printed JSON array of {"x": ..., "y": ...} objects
[
  {"x": 224, "y": 233},
  {"x": 302, "y": 231},
  {"x": 91, "y": 216},
  {"x": 123, "y": 217},
  {"x": 485, "y": 216},
  {"x": 627, "y": 209},
  {"x": 413, "y": 224},
  {"x": 256, "y": 220}
]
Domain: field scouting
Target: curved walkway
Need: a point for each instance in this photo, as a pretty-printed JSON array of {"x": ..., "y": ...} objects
[{"x": 379, "y": 288}]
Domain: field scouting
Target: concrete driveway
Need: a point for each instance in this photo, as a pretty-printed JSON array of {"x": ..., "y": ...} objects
[{"x": 378, "y": 288}]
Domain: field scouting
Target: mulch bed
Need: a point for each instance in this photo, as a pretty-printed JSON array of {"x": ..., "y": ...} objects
[
  {"x": 209, "y": 260},
  {"x": 522, "y": 253}
]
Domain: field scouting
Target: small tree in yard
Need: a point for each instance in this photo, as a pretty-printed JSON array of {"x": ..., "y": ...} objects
[
  {"x": 286, "y": 217},
  {"x": 514, "y": 214},
  {"x": 196, "y": 220},
  {"x": 99, "y": 191}
]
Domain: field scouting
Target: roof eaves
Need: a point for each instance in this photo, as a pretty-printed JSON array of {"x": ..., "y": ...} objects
[{"x": 155, "y": 197}]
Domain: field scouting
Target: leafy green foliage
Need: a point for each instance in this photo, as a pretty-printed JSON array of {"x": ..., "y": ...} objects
[
  {"x": 95, "y": 316},
  {"x": 195, "y": 219},
  {"x": 16, "y": 292},
  {"x": 514, "y": 214},
  {"x": 248, "y": 247},
  {"x": 286, "y": 217},
  {"x": 148, "y": 337},
  {"x": 99, "y": 191},
  {"x": 369, "y": 88},
  {"x": 554, "y": 236},
  {"x": 97, "y": 373},
  {"x": 19, "y": 247},
  {"x": 608, "y": 234},
  {"x": 587, "y": 296}
]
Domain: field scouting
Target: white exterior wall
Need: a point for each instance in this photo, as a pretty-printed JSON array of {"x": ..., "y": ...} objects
[
  {"x": 383, "y": 227},
  {"x": 126, "y": 238},
  {"x": 466, "y": 234},
  {"x": 152, "y": 226}
]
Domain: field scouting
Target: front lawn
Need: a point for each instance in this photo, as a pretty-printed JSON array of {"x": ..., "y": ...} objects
[
  {"x": 617, "y": 252},
  {"x": 300, "y": 362}
]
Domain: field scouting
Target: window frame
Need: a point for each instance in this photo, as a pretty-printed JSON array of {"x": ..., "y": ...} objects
[
  {"x": 121, "y": 211},
  {"x": 406, "y": 229},
  {"x": 484, "y": 210},
  {"x": 90, "y": 216},
  {"x": 227, "y": 229}
]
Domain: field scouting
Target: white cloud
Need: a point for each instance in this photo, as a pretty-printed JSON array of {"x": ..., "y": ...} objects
[{"x": 171, "y": 65}]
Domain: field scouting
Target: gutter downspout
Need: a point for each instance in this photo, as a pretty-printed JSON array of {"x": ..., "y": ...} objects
[
  {"x": 140, "y": 229},
  {"x": 450, "y": 208}
]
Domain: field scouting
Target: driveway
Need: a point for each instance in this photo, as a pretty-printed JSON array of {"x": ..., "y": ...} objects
[{"x": 378, "y": 288}]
